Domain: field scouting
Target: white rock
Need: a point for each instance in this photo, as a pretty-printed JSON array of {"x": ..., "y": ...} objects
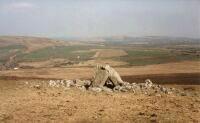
[
  {"x": 96, "y": 89},
  {"x": 52, "y": 83},
  {"x": 82, "y": 88},
  {"x": 107, "y": 89},
  {"x": 148, "y": 83},
  {"x": 62, "y": 83}
]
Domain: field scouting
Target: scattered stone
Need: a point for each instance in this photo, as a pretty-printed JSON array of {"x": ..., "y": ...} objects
[
  {"x": 37, "y": 86},
  {"x": 148, "y": 83},
  {"x": 96, "y": 89},
  {"x": 121, "y": 88},
  {"x": 69, "y": 83},
  {"x": 52, "y": 83},
  {"x": 183, "y": 94},
  {"x": 147, "y": 88},
  {"x": 82, "y": 88},
  {"x": 107, "y": 89},
  {"x": 108, "y": 80},
  {"x": 79, "y": 82}
]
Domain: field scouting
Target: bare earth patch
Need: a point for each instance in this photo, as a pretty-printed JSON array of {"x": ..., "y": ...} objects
[
  {"x": 108, "y": 53},
  {"x": 21, "y": 103},
  {"x": 42, "y": 64},
  {"x": 87, "y": 72},
  {"x": 101, "y": 61}
]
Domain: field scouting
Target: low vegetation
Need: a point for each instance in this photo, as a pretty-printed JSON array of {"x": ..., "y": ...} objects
[
  {"x": 155, "y": 56},
  {"x": 66, "y": 52},
  {"x": 7, "y": 51},
  {"x": 90, "y": 53}
]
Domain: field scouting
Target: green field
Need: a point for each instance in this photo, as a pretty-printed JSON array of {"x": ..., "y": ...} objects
[
  {"x": 138, "y": 57},
  {"x": 7, "y": 51},
  {"x": 67, "y": 52}
]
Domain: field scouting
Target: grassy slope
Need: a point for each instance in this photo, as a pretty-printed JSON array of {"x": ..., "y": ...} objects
[
  {"x": 7, "y": 51},
  {"x": 58, "y": 52},
  {"x": 136, "y": 56},
  {"x": 142, "y": 55},
  {"x": 154, "y": 56}
]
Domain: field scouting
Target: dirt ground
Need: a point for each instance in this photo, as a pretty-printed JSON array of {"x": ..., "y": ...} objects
[{"x": 20, "y": 102}]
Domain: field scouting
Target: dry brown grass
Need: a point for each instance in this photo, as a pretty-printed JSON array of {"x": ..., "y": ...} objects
[
  {"x": 20, "y": 103},
  {"x": 108, "y": 53},
  {"x": 42, "y": 64},
  {"x": 87, "y": 72},
  {"x": 101, "y": 61}
]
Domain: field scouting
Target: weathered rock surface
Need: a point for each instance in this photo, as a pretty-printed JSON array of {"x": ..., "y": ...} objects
[{"x": 105, "y": 74}]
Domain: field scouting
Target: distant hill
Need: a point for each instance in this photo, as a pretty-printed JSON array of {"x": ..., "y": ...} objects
[
  {"x": 30, "y": 43},
  {"x": 138, "y": 40},
  {"x": 152, "y": 40}
]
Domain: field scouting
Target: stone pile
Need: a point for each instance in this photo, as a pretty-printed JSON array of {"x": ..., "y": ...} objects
[
  {"x": 108, "y": 79},
  {"x": 138, "y": 88}
]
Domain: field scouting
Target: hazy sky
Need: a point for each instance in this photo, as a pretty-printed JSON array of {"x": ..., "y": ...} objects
[{"x": 95, "y": 18}]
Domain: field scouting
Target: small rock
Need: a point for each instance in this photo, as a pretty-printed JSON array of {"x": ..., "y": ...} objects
[
  {"x": 126, "y": 83},
  {"x": 120, "y": 88},
  {"x": 107, "y": 89},
  {"x": 82, "y": 82},
  {"x": 133, "y": 84},
  {"x": 52, "y": 83},
  {"x": 37, "y": 86},
  {"x": 148, "y": 83},
  {"x": 163, "y": 89},
  {"x": 82, "y": 88},
  {"x": 183, "y": 94},
  {"x": 168, "y": 92},
  {"x": 173, "y": 89},
  {"x": 62, "y": 83},
  {"x": 123, "y": 90},
  {"x": 158, "y": 95},
  {"x": 96, "y": 89},
  {"x": 129, "y": 87},
  {"x": 116, "y": 88},
  {"x": 69, "y": 83}
]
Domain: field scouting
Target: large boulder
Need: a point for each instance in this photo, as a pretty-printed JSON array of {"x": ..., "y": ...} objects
[{"x": 104, "y": 74}]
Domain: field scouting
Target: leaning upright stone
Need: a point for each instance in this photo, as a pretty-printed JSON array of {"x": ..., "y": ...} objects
[
  {"x": 100, "y": 77},
  {"x": 114, "y": 76}
]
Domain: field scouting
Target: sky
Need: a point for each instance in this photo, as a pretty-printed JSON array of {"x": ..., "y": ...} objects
[{"x": 99, "y": 18}]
